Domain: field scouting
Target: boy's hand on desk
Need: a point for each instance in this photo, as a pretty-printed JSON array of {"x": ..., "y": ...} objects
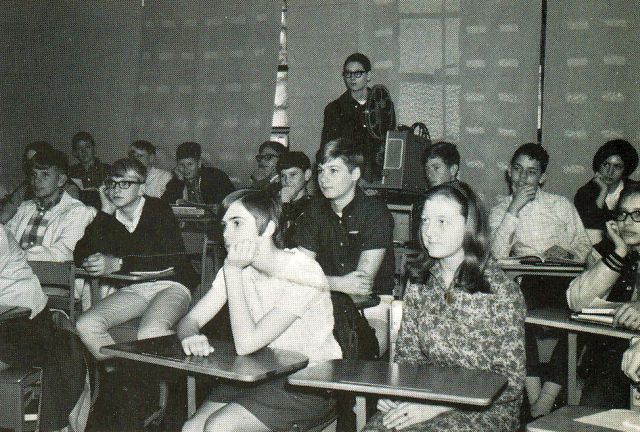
[
  {"x": 100, "y": 264},
  {"x": 407, "y": 414},
  {"x": 631, "y": 362},
  {"x": 628, "y": 315},
  {"x": 197, "y": 345}
]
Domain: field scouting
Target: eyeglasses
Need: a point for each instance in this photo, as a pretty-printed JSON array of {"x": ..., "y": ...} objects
[
  {"x": 353, "y": 74},
  {"x": 621, "y": 216},
  {"x": 266, "y": 157},
  {"x": 122, "y": 184}
]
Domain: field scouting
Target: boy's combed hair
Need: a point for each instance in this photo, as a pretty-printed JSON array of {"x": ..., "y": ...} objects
[
  {"x": 188, "y": 149},
  {"x": 533, "y": 151},
  {"x": 360, "y": 58},
  {"x": 122, "y": 167},
  {"x": 145, "y": 146},
  {"x": 340, "y": 148},
  {"x": 35, "y": 146},
  {"x": 444, "y": 150},
  {"x": 275, "y": 146},
  {"x": 48, "y": 157},
  {"x": 263, "y": 206},
  {"x": 82, "y": 136},
  {"x": 293, "y": 159},
  {"x": 470, "y": 275}
]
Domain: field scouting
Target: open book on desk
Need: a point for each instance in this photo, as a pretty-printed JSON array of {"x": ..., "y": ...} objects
[
  {"x": 598, "y": 312},
  {"x": 542, "y": 260},
  {"x": 191, "y": 210}
]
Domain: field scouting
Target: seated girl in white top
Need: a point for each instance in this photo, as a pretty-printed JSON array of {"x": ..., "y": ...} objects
[{"x": 265, "y": 312}]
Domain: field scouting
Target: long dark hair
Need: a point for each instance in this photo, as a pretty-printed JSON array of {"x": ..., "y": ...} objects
[{"x": 470, "y": 274}]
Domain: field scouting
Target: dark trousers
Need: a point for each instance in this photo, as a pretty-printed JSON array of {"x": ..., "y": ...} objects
[
  {"x": 546, "y": 292},
  {"x": 37, "y": 342}
]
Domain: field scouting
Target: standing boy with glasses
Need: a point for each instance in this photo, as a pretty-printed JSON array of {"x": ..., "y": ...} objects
[
  {"x": 266, "y": 176},
  {"x": 345, "y": 116},
  {"x": 193, "y": 183},
  {"x": 133, "y": 232}
]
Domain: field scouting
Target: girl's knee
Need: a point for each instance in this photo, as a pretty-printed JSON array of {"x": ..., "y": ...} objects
[{"x": 192, "y": 425}]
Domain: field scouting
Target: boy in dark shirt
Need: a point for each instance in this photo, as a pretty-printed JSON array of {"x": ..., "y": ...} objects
[
  {"x": 348, "y": 233},
  {"x": 193, "y": 183},
  {"x": 351, "y": 236},
  {"x": 295, "y": 172}
]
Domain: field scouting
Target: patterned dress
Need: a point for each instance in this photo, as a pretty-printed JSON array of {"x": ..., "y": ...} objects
[{"x": 483, "y": 331}]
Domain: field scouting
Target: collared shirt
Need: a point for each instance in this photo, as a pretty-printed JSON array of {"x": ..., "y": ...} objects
[
  {"x": 91, "y": 178},
  {"x": 34, "y": 234},
  {"x": 546, "y": 221},
  {"x": 338, "y": 241},
  {"x": 131, "y": 224},
  {"x": 291, "y": 211},
  {"x": 157, "y": 180},
  {"x": 67, "y": 221},
  {"x": 611, "y": 200},
  {"x": 192, "y": 192},
  {"x": 18, "y": 285}
]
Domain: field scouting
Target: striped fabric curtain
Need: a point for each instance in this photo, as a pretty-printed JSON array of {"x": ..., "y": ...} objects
[
  {"x": 591, "y": 92},
  {"x": 208, "y": 73}
]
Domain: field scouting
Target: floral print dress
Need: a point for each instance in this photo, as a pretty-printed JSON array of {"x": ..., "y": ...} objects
[{"x": 482, "y": 331}]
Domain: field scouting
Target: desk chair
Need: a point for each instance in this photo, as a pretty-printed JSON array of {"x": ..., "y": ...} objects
[
  {"x": 195, "y": 245},
  {"x": 20, "y": 398},
  {"x": 395, "y": 318},
  {"x": 58, "y": 283}
]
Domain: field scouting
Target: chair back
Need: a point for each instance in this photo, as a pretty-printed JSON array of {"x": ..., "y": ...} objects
[
  {"x": 58, "y": 282},
  {"x": 395, "y": 319}
]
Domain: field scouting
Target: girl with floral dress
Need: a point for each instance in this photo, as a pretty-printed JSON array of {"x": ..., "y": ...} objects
[{"x": 461, "y": 310}]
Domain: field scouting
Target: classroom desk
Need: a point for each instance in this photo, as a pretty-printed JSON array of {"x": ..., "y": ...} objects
[
  {"x": 560, "y": 319},
  {"x": 515, "y": 269},
  {"x": 116, "y": 278},
  {"x": 222, "y": 363},
  {"x": 365, "y": 301},
  {"x": 434, "y": 383},
  {"x": 563, "y": 420}
]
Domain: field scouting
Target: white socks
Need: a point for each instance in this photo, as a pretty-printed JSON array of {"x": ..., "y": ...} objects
[
  {"x": 533, "y": 384},
  {"x": 544, "y": 404}
]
